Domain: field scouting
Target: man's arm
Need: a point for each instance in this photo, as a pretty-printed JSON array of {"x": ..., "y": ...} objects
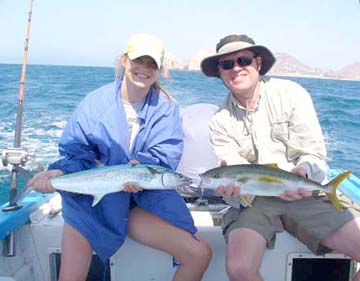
[{"x": 306, "y": 143}]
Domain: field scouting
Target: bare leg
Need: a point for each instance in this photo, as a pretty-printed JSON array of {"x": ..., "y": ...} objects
[
  {"x": 357, "y": 276},
  {"x": 76, "y": 255},
  {"x": 244, "y": 254},
  {"x": 194, "y": 254},
  {"x": 346, "y": 240}
]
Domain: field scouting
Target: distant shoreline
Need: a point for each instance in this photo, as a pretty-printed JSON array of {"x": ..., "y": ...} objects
[{"x": 194, "y": 70}]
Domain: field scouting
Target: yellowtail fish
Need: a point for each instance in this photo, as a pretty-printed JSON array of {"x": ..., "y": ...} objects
[
  {"x": 109, "y": 179},
  {"x": 263, "y": 180}
]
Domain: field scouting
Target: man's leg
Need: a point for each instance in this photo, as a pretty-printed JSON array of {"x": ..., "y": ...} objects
[
  {"x": 346, "y": 240},
  {"x": 245, "y": 251}
]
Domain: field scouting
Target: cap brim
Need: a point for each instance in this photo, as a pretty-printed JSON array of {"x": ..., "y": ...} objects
[{"x": 137, "y": 54}]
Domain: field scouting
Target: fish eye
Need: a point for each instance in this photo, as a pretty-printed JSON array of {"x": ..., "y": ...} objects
[{"x": 216, "y": 176}]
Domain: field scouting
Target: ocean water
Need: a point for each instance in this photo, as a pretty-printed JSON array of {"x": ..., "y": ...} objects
[{"x": 52, "y": 93}]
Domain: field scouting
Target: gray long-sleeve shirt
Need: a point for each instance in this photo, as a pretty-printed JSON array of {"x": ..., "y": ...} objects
[{"x": 282, "y": 129}]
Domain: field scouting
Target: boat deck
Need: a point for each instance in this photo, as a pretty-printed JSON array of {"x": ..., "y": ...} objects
[{"x": 41, "y": 244}]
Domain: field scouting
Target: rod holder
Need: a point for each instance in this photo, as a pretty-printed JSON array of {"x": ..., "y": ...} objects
[{"x": 9, "y": 245}]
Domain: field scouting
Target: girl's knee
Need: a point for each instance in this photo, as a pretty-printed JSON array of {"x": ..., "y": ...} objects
[
  {"x": 205, "y": 252},
  {"x": 200, "y": 254}
]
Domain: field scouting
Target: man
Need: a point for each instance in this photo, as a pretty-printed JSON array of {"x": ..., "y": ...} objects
[{"x": 268, "y": 120}]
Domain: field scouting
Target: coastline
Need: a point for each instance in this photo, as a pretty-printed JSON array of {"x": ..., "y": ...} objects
[{"x": 271, "y": 72}]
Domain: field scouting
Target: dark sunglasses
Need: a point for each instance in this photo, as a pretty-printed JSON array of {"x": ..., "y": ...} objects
[{"x": 230, "y": 64}]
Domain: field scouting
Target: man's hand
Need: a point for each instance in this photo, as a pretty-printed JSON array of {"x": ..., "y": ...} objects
[
  {"x": 301, "y": 192},
  {"x": 228, "y": 191},
  {"x": 41, "y": 181}
]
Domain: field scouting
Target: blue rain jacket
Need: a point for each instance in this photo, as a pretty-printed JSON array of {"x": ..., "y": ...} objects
[{"x": 98, "y": 129}]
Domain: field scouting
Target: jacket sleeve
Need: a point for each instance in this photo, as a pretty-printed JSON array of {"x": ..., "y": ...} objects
[
  {"x": 165, "y": 142},
  {"x": 76, "y": 152},
  {"x": 306, "y": 145}
]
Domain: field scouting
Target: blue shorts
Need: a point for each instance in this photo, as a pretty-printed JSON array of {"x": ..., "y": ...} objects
[{"x": 105, "y": 225}]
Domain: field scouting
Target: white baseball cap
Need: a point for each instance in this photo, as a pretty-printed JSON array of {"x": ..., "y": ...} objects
[{"x": 145, "y": 45}]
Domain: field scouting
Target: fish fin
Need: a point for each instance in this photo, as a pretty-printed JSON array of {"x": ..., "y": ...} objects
[
  {"x": 153, "y": 170},
  {"x": 272, "y": 165},
  {"x": 97, "y": 198},
  {"x": 269, "y": 179},
  {"x": 246, "y": 200},
  {"x": 242, "y": 180},
  {"x": 98, "y": 163},
  {"x": 332, "y": 186}
]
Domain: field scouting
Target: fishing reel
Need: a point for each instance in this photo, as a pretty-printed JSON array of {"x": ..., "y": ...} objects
[{"x": 15, "y": 156}]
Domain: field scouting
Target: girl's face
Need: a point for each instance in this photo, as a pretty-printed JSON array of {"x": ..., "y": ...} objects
[{"x": 142, "y": 72}]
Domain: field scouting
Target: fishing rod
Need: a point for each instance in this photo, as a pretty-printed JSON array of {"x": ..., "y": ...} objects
[{"x": 17, "y": 155}]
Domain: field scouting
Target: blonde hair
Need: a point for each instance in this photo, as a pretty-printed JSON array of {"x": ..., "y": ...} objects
[{"x": 119, "y": 75}]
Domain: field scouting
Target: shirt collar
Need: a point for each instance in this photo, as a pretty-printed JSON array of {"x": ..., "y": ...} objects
[{"x": 235, "y": 103}]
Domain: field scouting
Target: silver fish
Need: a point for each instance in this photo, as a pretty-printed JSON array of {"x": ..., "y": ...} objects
[
  {"x": 108, "y": 179},
  {"x": 263, "y": 180}
]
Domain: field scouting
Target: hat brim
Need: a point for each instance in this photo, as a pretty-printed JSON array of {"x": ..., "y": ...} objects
[
  {"x": 209, "y": 65},
  {"x": 141, "y": 53}
]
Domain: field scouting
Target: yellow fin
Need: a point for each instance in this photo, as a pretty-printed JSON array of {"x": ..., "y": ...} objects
[
  {"x": 246, "y": 200},
  {"x": 335, "y": 201},
  {"x": 269, "y": 179},
  {"x": 272, "y": 165},
  {"x": 332, "y": 187}
]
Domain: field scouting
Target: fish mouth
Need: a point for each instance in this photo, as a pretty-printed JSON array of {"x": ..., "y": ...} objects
[
  {"x": 204, "y": 181},
  {"x": 171, "y": 182},
  {"x": 185, "y": 181}
]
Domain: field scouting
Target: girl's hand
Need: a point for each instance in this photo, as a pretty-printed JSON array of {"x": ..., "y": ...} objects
[
  {"x": 132, "y": 187},
  {"x": 41, "y": 181}
]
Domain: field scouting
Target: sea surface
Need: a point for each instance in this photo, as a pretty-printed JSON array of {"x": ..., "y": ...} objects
[{"x": 52, "y": 93}]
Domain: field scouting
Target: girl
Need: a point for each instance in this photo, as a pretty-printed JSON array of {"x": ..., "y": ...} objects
[{"x": 131, "y": 120}]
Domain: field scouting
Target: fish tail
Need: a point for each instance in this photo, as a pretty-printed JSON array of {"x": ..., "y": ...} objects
[
  {"x": 246, "y": 200},
  {"x": 332, "y": 186}
]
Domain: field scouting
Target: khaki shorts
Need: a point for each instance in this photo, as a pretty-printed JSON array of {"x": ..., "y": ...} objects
[{"x": 309, "y": 219}]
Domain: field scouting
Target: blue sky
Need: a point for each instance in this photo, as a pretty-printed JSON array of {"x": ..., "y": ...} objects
[{"x": 320, "y": 33}]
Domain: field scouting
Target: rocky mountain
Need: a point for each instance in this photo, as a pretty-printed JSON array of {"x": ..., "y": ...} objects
[
  {"x": 288, "y": 65},
  {"x": 172, "y": 62},
  {"x": 285, "y": 65},
  {"x": 351, "y": 71}
]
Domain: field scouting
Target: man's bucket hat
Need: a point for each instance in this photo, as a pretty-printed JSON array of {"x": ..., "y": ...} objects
[{"x": 235, "y": 43}]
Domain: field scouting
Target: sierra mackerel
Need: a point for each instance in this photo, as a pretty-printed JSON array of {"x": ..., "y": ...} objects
[{"x": 108, "y": 179}]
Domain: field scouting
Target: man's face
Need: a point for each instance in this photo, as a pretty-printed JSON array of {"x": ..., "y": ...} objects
[{"x": 240, "y": 79}]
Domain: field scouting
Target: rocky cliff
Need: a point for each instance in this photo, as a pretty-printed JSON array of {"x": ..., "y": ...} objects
[{"x": 285, "y": 65}]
